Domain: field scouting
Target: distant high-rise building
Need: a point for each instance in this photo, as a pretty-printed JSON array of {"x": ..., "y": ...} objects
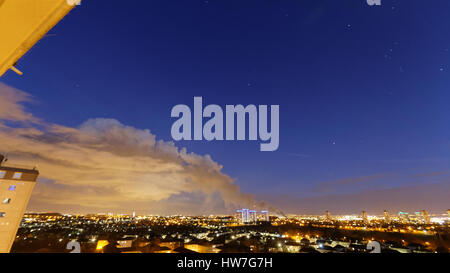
[
  {"x": 243, "y": 216},
  {"x": 253, "y": 217},
  {"x": 364, "y": 217},
  {"x": 448, "y": 212},
  {"x": 327, "y": 216},
  {"x": 426, "y": 217},
  {"x": 387, "y": 217},
  {"x": 247, "y": 216},
  {"x": 265, "y": 216},
  {"x": 16, "y": 185},
  {"x": 404, "y": 216}
]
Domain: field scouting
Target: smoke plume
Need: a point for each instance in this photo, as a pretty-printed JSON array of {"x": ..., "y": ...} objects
[{"x": 104, "y": 165}]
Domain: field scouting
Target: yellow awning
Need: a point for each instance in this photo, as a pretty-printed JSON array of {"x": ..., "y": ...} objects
[{"x": 23, "y": 23}]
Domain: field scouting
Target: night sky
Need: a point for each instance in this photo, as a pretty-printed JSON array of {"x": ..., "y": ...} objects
[{"x": 363, "y": 90}]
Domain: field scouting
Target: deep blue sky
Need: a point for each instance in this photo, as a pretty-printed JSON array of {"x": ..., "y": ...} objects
[{"x": 363, "y": 91}]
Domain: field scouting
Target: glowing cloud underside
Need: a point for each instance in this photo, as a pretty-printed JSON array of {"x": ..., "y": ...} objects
[{"x": 104, "y": 165}]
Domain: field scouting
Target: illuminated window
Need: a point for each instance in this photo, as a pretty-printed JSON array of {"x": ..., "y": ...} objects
[
  {"x": 2, "y": 174},
  {"x": 12, "y": 188},
  {"x": 6, "y": 201},
  {"x": 2, "y": 214},
  {"x": 17, "y": 176}
]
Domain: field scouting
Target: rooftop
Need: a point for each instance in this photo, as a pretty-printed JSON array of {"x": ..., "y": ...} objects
[{"x": 16, "y": 172}]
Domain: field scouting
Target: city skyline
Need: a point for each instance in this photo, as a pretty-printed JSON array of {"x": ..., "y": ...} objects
[
  {"x": 364, "y": 120},
  {"x": 326, "y": 214},
  {"x": 248, "y": 231}
]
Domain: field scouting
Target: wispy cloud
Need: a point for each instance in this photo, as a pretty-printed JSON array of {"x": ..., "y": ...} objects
[
  {"x": 299, "y": 155},
  {"x": 430, "y": 174},
  {"x": 432, "y": 197},
  {"x": 335, "y": 185},
  {"x": 11, "y": 109}
]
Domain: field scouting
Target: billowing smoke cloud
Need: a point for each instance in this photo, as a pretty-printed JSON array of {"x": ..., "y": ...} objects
[{"x": 104, "y": 165}]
